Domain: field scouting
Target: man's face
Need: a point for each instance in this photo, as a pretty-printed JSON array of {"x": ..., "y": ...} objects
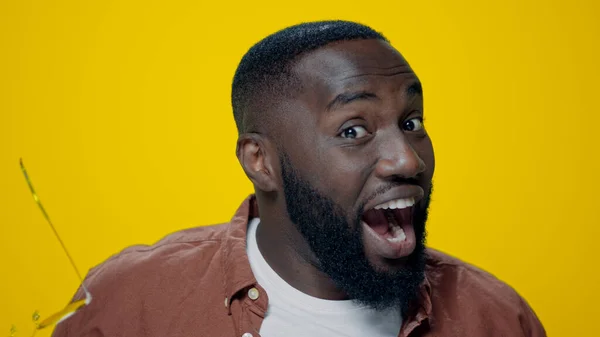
[{"x": 357, "y": 166}]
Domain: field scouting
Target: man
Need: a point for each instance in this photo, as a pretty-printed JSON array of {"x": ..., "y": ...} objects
[{"x": 331, "y": 134}]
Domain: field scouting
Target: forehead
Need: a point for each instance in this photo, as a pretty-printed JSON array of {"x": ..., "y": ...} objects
[{"x": 352, "y": 65}]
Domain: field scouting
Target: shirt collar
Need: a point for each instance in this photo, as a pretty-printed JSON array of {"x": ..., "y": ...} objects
[
  {"x": 236, "y": 266},
  {"x": 239, "y": 276}
]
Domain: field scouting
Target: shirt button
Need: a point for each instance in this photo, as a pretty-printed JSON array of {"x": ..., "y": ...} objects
[
  {"x": 247, "y": 334},
  {"x": 253, "y": 294}
]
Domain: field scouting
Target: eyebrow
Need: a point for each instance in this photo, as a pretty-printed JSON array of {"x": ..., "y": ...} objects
[
  {"x": 346, "y": 98},
  {"x": 349, "y": 97}
]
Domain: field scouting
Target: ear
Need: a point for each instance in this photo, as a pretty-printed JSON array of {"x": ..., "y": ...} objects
[{"x": 259, "y": 160}]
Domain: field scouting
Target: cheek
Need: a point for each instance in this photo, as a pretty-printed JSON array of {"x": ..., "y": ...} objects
[{"x": 342, "y": 177}]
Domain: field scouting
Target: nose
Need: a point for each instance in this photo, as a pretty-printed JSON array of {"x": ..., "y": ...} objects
[{"x": 398, "y": 158}]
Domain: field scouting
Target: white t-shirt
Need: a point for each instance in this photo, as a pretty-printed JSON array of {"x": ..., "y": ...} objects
[{"x": 292, "y": 313}]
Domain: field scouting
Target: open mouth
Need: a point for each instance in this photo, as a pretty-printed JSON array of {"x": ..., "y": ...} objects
[
  {"x": 390, "y": 219},
  {"x": 389, "y": 230}
]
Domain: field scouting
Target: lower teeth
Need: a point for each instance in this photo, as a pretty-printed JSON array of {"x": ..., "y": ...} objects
[{"x": 398, "y": 234}]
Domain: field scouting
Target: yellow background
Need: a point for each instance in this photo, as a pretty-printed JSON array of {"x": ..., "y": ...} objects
[{"x": 121, "y": 111}]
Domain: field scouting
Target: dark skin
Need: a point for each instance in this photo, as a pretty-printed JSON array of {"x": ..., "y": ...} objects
[{"x": 353, "y": 131}]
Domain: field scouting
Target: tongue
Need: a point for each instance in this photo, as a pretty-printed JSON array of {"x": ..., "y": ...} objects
[{"x": 377, "y": 220}]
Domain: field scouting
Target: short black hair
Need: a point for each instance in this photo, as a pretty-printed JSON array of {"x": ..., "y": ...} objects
[{"x": 265, "y": 69}]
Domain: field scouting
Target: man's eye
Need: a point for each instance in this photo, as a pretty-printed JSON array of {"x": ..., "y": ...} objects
[
  {"x": 413, "y": 124},
  {"x": 354, "y": 132}
]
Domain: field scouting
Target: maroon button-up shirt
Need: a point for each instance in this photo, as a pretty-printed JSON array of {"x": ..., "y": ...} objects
[{"x": 196, "y": 283}]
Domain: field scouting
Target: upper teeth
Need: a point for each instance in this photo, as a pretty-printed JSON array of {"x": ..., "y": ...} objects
[{"x": 398, "y": 203}]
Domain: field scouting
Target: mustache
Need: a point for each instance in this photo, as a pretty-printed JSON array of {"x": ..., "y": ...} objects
[{"x": 385, "y": 188}]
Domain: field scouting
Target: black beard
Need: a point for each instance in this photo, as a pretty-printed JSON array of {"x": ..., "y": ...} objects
[{"x": 337, "y": 244}]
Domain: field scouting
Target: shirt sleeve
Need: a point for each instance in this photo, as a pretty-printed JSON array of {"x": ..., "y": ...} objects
[
  {"x": 118, "y": 287},
  {"x": 106, "y": 283},
  {"x": 75, "y": 326}
]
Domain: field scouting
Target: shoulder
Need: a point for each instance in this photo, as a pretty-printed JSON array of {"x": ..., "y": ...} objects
[
  {"x": 169, "y": 255},
  {"x": 467, "y": 291},
  {"x": 450, "y": 272},
  {"x": 171, "y": 252}
]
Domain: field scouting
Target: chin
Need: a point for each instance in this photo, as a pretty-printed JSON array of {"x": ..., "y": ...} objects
[{"x": 386, "y": 265}]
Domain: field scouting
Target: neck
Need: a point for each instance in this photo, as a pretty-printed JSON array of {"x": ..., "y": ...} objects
[{"x": 287, "y": 252}]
